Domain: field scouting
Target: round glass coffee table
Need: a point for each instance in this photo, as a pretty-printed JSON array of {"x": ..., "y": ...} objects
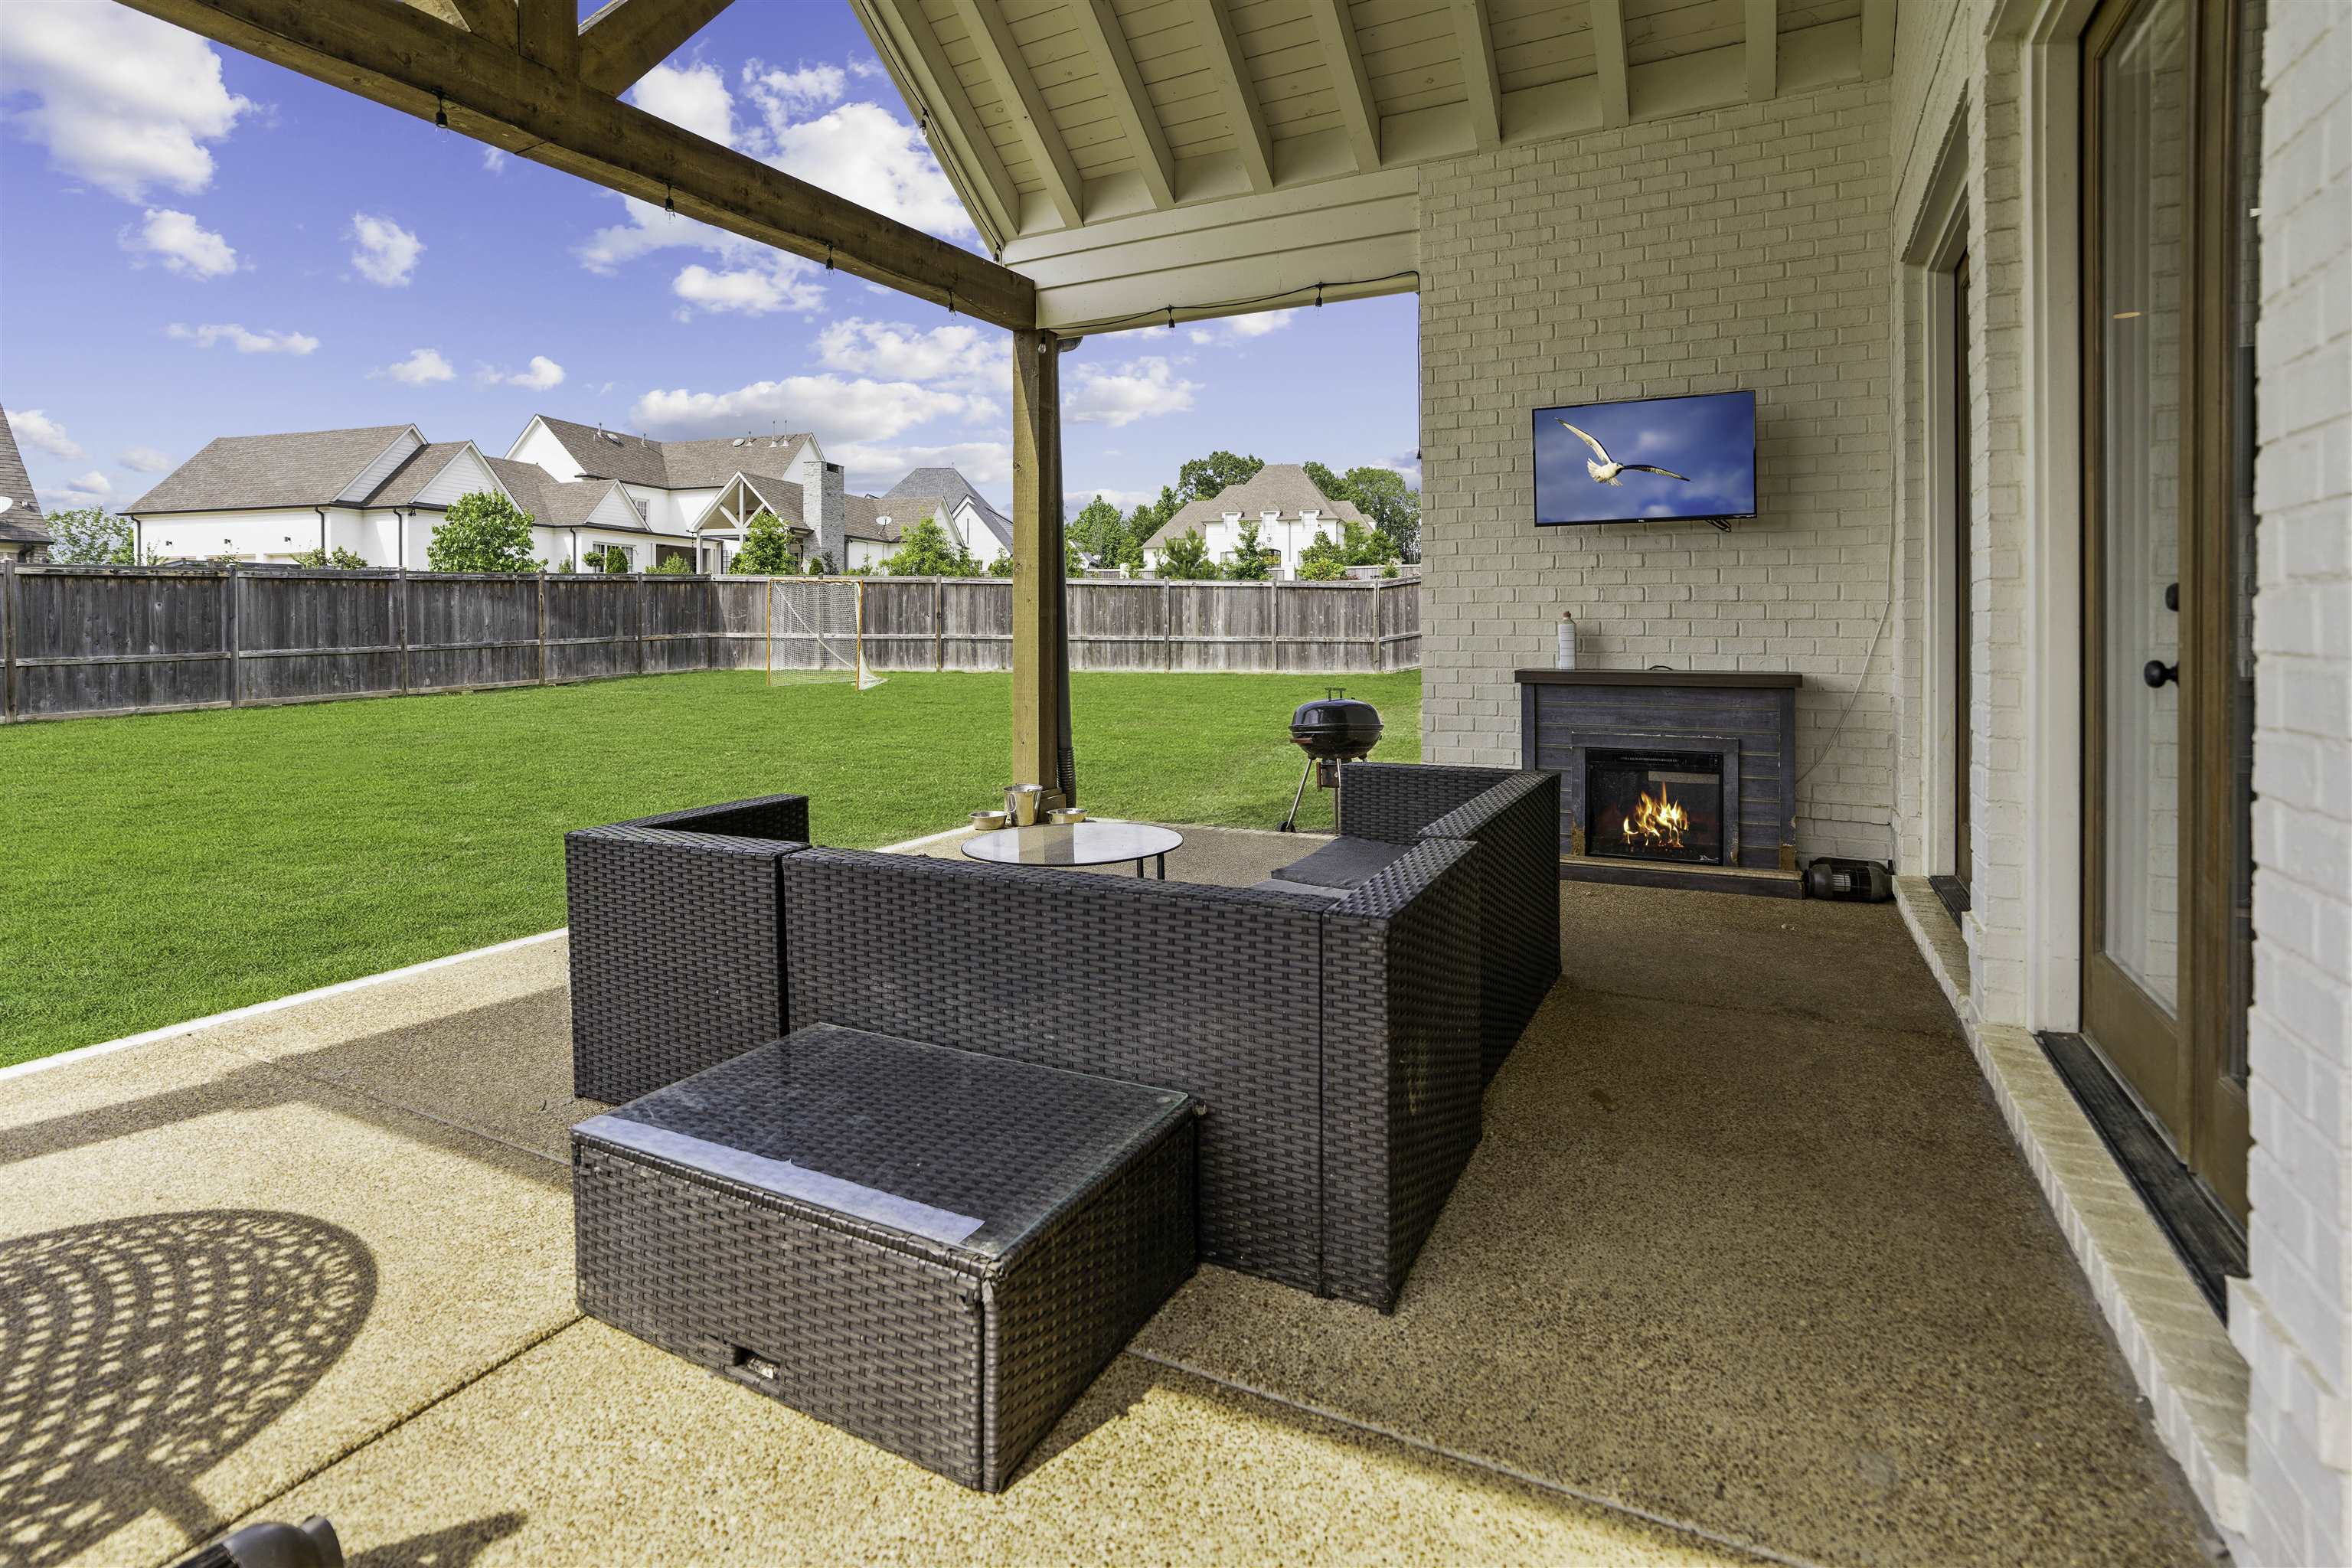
[{"x": 1079, "y": 844}]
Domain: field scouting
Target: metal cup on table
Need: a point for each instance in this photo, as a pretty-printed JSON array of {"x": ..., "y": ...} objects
[{"x": 1022, "y": 803}]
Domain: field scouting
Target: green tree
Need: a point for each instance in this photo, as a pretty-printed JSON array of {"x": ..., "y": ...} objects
[
  {"x": 1205, "y": 477},
  {"x": 90, "y": 536},
  {"x": 1002, "y": 566},
  {"x": 1329, "y": 483},
  {"x": 482, "y": 531},
  {"x": 767, "y": 548},
  {"x": 1252, "y": 560},
  {"x": 338, "y": 558},
  {"x": 674, "y": 566},
  {"x": 1100, "y": 533},
  {"x": 1186, "y": 557},
  {"x": 1394, "y": 507},
  {"x": 926, "y": 549}
]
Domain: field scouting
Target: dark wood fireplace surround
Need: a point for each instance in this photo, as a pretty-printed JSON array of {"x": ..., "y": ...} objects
[{"x": 1748, "y": 717}]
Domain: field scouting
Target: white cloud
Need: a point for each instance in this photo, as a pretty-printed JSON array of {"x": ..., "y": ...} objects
[
  {"x": 782, "y": 94},
  {"x": 146, "y": 460},
  {"x": 775, "y": 282},
  {"x": 1263, "y": 322},
  {"x": 33, "y": 426},
  {"x": 959, "y": 355},
  {"x": 243, "y": 339},
  {"x": 1075, "y": 501},
  {"x": 494, "y": 160},
  {"x": 185, "y": 245},
  {"x": 92, "y": 486},
  {"x": 1143, "y": 388},
  {"x": 120, "y": 98},
  {"x": 541, "y": 374},
  {"x": 868, "y": 154},
  {"x": 419, "y": 368},
  {"x": 847, "y": 411},
  {"x": 692, "y": 98},
  {"x": 875, "y": 467},
  {"x": 383, "y": 252}
]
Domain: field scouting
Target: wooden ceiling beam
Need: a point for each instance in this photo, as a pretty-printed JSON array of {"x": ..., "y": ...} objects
[
  {"x": 1763, "y": 50},
  {"x": 1343, "y": 54},
  {"x": 626, "y": 39},
  {"x": 1609, "y": 61},
  {"x": 999, "y": 56},
  {"x": 1478, "y": 74},
  {"x": 1123, "y": 84},
  {"x": 405, "y": 59},
  {"x": 1877, "y": 39},
  {"x": 1237, "y": 90},
  {"x": 548, "y": 31}
]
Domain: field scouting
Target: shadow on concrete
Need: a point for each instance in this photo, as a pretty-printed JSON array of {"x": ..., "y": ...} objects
[
  {"x": 451, "y": 1548},
  {"x": 135, "y": 1353}
]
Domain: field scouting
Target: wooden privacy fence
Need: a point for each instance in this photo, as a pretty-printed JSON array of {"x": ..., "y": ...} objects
[{"x": 82, "y": 640}]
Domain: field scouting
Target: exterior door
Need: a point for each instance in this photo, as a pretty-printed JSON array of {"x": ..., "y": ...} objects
[{"x": 2167, "y": 450}]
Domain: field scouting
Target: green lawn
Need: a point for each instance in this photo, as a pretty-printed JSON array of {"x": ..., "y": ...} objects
[{"x": 163, "y": 868}]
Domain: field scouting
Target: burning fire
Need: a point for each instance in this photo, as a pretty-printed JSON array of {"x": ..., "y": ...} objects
[{"x": 1657, "y": 824}]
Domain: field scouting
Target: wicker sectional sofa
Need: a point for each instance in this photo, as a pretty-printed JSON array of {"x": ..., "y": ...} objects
[{"x": 1340, "y": 1044}]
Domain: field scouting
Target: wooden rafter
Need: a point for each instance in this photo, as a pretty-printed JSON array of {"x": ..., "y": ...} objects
[
  {"x": 1478, "y": 76},
  {"x": 1236, "y": 88},
  {"x": 627, "y": 38},
  {"x": 1343, "y": 55},
  {"x": 999, "y": 56},
  {"x": 1106, "y": 42},
  {"x": 1763, "y": 50},
  {"x": 1609, "y": 61},
  {"x": 548, "y": 31},
  {"x": 1877, "y": 37},
  {"x": 402, "y": 57},
  {"x": 949, "y": 118}
]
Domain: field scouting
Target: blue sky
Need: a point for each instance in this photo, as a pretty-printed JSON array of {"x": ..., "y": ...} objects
[
  {"x": 1711, "y": 441},
  {"x": 201, "y": 244}
]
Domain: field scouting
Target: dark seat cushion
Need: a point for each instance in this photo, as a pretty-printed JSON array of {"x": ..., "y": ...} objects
[{"x": 1344, "y": 863}]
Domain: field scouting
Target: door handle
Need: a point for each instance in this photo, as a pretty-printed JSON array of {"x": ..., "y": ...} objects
[{"x": 2156, "y": 672}]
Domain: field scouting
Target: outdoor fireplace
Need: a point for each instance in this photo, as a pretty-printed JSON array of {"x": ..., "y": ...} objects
[{"x": 1654, "y": 806}]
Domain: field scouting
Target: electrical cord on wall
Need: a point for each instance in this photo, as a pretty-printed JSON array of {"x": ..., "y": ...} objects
[{"x": 1869, "y": 658}]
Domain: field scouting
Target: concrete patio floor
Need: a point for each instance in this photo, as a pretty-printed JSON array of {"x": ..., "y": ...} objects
[{"x": 1744, "y": 1268}]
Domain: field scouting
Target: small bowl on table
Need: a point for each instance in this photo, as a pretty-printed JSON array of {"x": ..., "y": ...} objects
[
  {"x": 988, "y": 821},
  {"x": 1065, "y": 816}
]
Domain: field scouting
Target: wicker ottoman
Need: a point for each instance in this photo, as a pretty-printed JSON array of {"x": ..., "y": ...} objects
[{"x": 931, "y": 1249}]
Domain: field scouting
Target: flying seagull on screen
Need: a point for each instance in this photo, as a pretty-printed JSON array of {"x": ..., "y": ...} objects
[{"x": 1606, "y": 470}]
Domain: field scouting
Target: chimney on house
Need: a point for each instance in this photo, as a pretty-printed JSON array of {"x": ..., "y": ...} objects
[{"x": 824, "y": 509}]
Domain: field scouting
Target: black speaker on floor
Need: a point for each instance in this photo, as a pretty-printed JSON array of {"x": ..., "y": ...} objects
[{"x": 1854, "y": 881}]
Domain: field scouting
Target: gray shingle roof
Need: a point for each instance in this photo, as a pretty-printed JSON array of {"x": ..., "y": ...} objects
[
  {"x": 952, "y": 489},
  {"x": 781, "y": 497},
  {"x": 524, "y": 481},
  {"x": 568, "y": 502},
  {"x": 670, "y": 464},
  {"x": 20, "y": 523},
  {"x": 424, "y": 465},
  {"x": 1282, "y": 489},
  {"x": 303, "y": 468}
]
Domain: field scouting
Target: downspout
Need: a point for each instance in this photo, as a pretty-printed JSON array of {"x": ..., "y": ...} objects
[
  {"x": 575, "y": 548},
  {"x": 322, "y": 532}
]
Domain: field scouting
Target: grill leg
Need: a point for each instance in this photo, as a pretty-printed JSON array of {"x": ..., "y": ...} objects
[{"x": 1291, "y": 822}]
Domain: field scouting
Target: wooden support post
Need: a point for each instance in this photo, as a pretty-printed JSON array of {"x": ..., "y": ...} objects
[
  {"x": 1375, "y": 584},
  {"x": 228, "y": 633},
  {"x": 938, "y": 625},
  {"x": 542, "y": 628},
  {"x": 1167, "y": 624},
  {"x": 12, "y": 610},
  {"x": 1274, "y": 624},
  {"x": 400, "y": 624},
  {"x": 644, "y": 623},
  {"x": 1039, "y": 652}
]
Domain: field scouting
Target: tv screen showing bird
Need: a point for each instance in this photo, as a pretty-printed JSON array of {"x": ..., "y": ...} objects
[{"x": 1652, "y": 460}]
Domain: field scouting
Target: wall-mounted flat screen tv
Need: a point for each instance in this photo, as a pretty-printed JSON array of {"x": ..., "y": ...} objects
[{"x": 1658, "y": 459}]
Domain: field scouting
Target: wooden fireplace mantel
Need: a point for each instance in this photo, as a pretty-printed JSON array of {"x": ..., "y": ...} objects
[{"x": 1781, "y": 680}]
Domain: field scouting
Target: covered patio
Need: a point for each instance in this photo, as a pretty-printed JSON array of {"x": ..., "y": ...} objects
[{"x": 1746, "y": 1268}]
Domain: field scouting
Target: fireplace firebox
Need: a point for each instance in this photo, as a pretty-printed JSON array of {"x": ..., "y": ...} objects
[{"x": 1654, "y": 806}]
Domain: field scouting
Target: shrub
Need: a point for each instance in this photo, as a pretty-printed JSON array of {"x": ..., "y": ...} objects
[
  {"x": 1252, "y": 560},
  {"x": 927, "y": 551},
  {"x": 767, "y": 548},
  {"x": 338, "y": 558},
  {"x": 89, "y": 536},
  {"x": 610, "y": 559},
  {"x": 483, "y": 532},
  {"x": 674, "y": 566},
  {"x": 1186, "y": 557}
]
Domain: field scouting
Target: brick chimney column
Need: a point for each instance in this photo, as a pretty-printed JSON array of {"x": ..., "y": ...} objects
[{"x": 827, "y": 512}]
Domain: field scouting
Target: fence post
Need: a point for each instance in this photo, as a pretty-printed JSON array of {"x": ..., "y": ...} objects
[
  {"x": 12, "y": 609},
  {"x": 228, "y": 633},
  {"x": 1379, "y": 603},
  {"x": 542, "y": 628},
  {"x": 399, "y": 587},
  {"x": 1274, "y": 624},
  {"x": 642, "y": 591},
  {"x": 1167, "y": 624},
  {"x": 939, "y": 623}
]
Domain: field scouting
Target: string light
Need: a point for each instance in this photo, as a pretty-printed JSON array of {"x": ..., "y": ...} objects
[
  {"x": 440, "y": 110},
  {"x": 828, "y": 255},
  {"x": 1318, "y": 296},
  {"x": 668, "y": 204},
  {"x": 1237, "y": 307}
]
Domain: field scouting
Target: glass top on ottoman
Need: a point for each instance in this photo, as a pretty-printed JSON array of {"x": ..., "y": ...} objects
[
  {"x": 1078, "y": 844},
  {"x": 975, "y": 1152}
]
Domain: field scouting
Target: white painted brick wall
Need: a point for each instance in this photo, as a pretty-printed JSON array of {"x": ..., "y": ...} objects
[
  {"x": 1740, "y": 248},
  {"x": 2294, "y": 1321}
]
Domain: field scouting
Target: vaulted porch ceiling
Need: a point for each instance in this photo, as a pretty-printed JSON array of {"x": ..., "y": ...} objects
[{"x": 1066, "y": 122}]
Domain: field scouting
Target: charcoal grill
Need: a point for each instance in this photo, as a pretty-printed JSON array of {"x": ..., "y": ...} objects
[{"x": 1333, "y": 729}]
